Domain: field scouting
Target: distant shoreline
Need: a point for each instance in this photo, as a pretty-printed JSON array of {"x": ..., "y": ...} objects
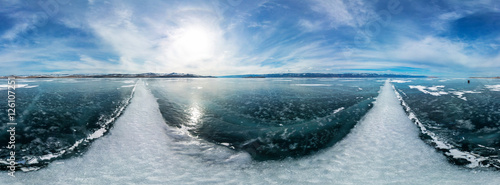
[
  {"x": 144, "y": 75},
  {"x": 46, "y": 77},
  {"x": 183, "y": 75},
  {"x": 324, "y": 75},
  {"x": 498, "y": 77}
]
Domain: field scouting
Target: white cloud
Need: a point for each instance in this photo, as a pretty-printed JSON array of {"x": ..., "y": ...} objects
[
  {"x": 336, "y": 12},
  {"x": 180, "y": 38},
  {"x": 433, "y": 53},
  {"x": 353, "y": 13},
  {"x": 310, "y": 26},
  {"x": 25, "y": 22},
  {"x": 213, "y": 39},
  {"x": 433, "y": 50},
  {"x": 450, "y": 16},
  {"x": 263, "y": 24}
]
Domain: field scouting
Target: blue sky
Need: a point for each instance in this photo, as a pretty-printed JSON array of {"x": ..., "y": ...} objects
[{"x": 435, "y": 37}]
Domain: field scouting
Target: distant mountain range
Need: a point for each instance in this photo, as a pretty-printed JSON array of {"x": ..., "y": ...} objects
[
  {"x": 142, "y": 75},
  {"x": 498, "y": 77},
  {"x": 185, "y": 75},
  {"x": 323, "y": 75}
]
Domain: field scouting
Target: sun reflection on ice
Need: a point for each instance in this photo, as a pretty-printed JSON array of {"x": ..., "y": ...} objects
[{"x": 195, "y": 115}]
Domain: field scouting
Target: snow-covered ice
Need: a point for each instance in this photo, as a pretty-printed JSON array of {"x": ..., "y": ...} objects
[{"x": 493, "y": 87}]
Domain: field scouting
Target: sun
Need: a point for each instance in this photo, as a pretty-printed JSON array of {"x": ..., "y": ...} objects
[{"x": 194, "y": 43}]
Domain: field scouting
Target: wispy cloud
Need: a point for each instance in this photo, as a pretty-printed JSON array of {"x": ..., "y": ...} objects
[{"x": 231, "y": 37}]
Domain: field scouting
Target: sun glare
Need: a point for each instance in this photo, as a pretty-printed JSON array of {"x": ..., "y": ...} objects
[{"x": 194, "y": 43}]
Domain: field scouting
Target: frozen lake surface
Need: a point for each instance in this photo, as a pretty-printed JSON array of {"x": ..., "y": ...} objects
[{"x": 383, "y": 148}]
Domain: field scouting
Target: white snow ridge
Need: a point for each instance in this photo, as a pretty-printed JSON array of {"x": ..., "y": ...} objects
[
  {"x": 434, "y": 90},
  {"x": 493, "y": 87}
]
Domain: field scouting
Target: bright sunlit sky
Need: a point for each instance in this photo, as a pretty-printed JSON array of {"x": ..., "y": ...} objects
[{"x": 226, "y": 37}]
